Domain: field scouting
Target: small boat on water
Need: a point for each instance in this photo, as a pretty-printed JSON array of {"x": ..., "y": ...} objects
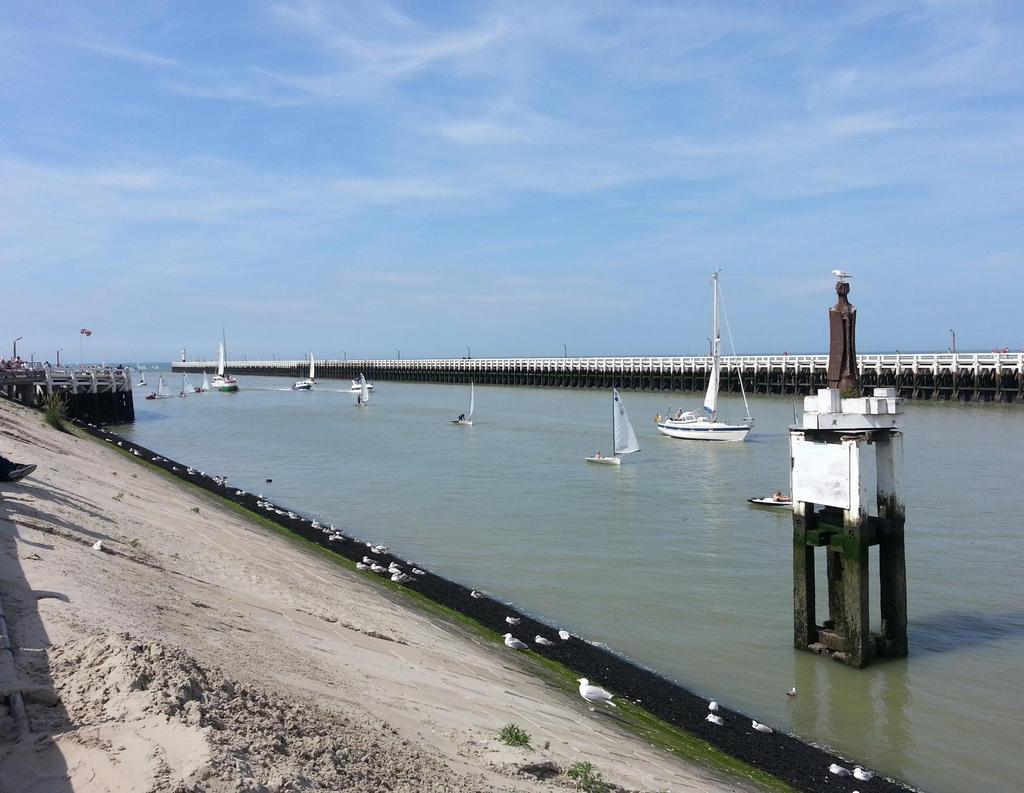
[
  {"x": 142, "y": 376},
  {"x": 694, "y": 425},
  {"x": 161, "y": 390},
  {"x": 623, "y": 437},
  {"x": 307, "y": 384},
  {"x": 186, "y": 385},
  {"x": 205, "y": 386},
  {"x": 463, "y": 420},
  {"x": 223, "y": 382},
  {"x": 363, "y": 398},
  {"x": 772, "y": 502},
  {"x": 357, "y": 385}
]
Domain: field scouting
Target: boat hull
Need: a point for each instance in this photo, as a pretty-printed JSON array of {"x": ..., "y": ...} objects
[
  {"x": 704, "y": 431},
  {"x": 462, "y": 422},
  {"x": 604, "y": 460},
  {"x": 770, "y": 503},
  {"x": 303, "y": 385}
]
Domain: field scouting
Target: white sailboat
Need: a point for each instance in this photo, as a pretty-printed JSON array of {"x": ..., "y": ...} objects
[
  {"x": 206, "y": 383},
  {"x": 142, "y": 376},
  {"x": 705, "y": 426},
  {"x": 623, "y": 438},
  {"x": 463, "y": 420},
  {"x": 363, "y": 399},
  {"x": 186, "y": 385},
  {"x": 221, "y": 381},
  {"x": 357, "y": 385},
  {"x": 307, "y": 384},
  {"x": 161, "y": 390}
]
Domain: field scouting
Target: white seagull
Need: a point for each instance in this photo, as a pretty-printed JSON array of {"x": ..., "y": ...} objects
[
  {"x": 563, "y": 635},
  {"x": 400, "y": 577},
  {"x": 715, "y": 719},
  {"x": 417, "y": 571},
  {"x": 476, "y": 595},
  {"x": 760, "y": 727},
  {"x": 513, "y": 642},
  {"x": 542, "y": 641},
  {"x": 361, "y": 566},
  {"x": 378, "y": 568},
  {"x": 842, "y": 275},
  {"x": 513, "y": 620},
  {"x": 98, "y": 545},
  {"x": 862, "y": 775},
  {"x": 595, "y": 693},
  {"x": 713, "y": 706},
  {"x": 839, "y": 770}
]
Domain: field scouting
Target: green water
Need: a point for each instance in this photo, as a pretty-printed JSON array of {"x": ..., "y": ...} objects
[{"x": 662, "y": 559}]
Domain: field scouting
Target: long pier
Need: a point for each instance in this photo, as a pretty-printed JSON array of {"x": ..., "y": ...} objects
[
  {"x": 972, "y": 377},
  {"x": 95, "y": 393}
]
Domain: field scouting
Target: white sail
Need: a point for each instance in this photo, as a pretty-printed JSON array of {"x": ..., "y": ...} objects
[
  {"x": 162, "y": 387},
  {"x": 186, "y": 384},
  {"x": 364, "y": 392},
  {"x": 220, "y": 359},
  {"x": 470, "y": 401},
  {"x": 142, "y": 378},
  {"x": 206, "y": 383},
  {"x": 625, "y": 438},
  {"x": 312, "y": 363},
  {"x": 711, "y": 397}
]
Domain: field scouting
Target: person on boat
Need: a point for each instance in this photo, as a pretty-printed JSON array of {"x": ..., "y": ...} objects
[
  {"x": 598, "y": 456},
  {"x": 779, "y": 496},
  {"x": 679, "y": 414},
  {"x": 462, "y": 417}
]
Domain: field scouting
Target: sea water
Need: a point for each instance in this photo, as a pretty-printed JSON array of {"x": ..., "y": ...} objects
[{"x": 662, "y": 559}]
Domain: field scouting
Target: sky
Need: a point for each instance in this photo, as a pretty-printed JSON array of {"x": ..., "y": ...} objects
[{"x": 377, "y": 178}]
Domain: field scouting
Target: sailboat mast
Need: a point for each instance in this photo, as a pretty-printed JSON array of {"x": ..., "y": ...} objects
[{"x": 614, "y": 450}]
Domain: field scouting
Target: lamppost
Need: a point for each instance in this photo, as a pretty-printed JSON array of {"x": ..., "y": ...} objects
[
  {"x": 58, "y": 355},
  {"x": 468, "y": 353},
  {"x": 344, "y": 355},
  {"x": 565, "y": 350},
  {"x": 399, "y": 352},
  {"x": 15, "y": 353},
  {"x": 953, "y": 349}
]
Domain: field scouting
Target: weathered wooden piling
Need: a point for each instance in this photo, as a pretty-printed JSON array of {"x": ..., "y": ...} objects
[
  {"x": 834, "y": 509},
  {"x": 100, "y": 394}
]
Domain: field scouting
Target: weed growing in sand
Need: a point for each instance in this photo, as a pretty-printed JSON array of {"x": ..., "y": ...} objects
[
  {"x": 587, "y": 778},
  {"x": 135, "y": 543},
  {"x": 55, "y": 411},
  {"x": 119, "y": 496},
  {"x": 196, "y": 510},
  {"x": 514, "y": 735}
]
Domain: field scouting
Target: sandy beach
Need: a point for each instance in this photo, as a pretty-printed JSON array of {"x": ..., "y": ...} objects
[{"x": 199, "y": 650}]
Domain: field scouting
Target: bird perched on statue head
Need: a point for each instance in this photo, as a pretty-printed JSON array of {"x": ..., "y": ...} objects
[{"x": 842, "y": 275}]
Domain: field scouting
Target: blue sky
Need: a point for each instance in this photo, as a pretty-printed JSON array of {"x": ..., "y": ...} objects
[{"x": 507, "y": 176}]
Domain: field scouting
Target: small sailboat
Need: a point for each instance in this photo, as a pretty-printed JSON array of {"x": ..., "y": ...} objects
[
  {"x": 307, "y": 384},
  {"x": 186, "y": 385},
  {"x": 221, "y": 381},
  {"x": 363, "y": 398},
  {"x": 161, "y": 390},
  {"x": 623, "y": 438},
  {"x": 463, "y": 420},
  {"x": 706, "y": 426},
  {"x": 206, "y": 384},
  {"x": 142, "y": 376},
  {"x": 358, "y": 383}
]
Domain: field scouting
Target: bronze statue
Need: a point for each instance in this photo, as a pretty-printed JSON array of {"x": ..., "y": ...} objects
[{"x": 842, "y": 351}]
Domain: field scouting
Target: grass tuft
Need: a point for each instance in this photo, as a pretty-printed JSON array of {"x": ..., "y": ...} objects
[
  {"x": 55, "y": 411},
  {"x": 514, "y": 735},
  {"x": 587, "y": 778}
]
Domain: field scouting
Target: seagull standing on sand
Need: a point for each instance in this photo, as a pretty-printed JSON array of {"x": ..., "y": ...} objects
[
  {"x": 595, "y": 693},
  {"x": 513, "y": 642}
]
